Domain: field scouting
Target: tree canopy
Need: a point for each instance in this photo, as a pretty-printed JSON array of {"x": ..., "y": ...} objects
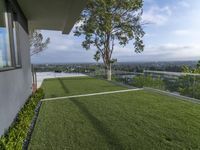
[
  {"x": 37, "y": 42},
  {"x": 105, "y": 23}
]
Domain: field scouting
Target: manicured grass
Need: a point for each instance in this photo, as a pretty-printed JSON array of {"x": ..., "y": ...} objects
[
  {"x": 132, "y": 120},
  {"x": 76, "y": 85}
]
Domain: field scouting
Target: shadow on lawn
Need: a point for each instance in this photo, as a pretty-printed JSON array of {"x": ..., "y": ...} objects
[
  {"x": 110, "y": 137},
  {"x": 63, "y": 85}
]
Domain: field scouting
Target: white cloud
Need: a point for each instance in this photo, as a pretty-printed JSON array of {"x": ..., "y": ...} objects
[
  {"x": 157, "y": 15},
  {"x": 182, "y": 32},
  {"x": 62, "y": 49},
  {"x": 149, "y": 35},
  {"x": 162, "y": 52},
  {"x": 184, "y": 4},
  {"x": 60, "y": 42},
  {"x": 173, "y": 51}
]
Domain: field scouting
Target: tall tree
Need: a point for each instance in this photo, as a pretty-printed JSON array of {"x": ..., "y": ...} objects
[
  {"x": 37, "y": 42},
  {"x": 105, "y": 23}
]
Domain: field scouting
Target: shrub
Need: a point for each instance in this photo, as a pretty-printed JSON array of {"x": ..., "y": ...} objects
[
  {"x": 172, "y": 84},
  {"x": 189, "y": 86},
  {"x": 139, "y": 81},
  {"x": 148, "y": 81},
  {"x": 16, "y": 134}
]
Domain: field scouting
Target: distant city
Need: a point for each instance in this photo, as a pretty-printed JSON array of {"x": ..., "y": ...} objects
[{"x": 173, "y": 66}]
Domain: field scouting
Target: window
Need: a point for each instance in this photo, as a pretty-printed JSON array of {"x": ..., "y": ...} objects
[
  {"x": 15, "y": 40},
  {"x": 9, "y": 51},
  {"x": 5, "y": 56}
]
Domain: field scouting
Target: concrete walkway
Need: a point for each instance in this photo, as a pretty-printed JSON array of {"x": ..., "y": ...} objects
[{"x": 92, "y": 94}]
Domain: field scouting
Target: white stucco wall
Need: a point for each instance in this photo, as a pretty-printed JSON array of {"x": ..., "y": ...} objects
[{"x": 15, "y": 85}]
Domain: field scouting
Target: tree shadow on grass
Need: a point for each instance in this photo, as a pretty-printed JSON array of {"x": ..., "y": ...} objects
[
  {"x": 110, "y": 137},
  {"x": 63, "y": 85}
]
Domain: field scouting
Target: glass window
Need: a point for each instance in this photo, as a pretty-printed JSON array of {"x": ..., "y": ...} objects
[
  {"x": 9, "y": 50},
  {"x": 15, "y": 38},
  {"x": 5, "y": 56}
]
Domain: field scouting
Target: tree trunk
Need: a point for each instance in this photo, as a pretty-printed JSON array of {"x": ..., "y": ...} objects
[{"x": 109, "y": 72}]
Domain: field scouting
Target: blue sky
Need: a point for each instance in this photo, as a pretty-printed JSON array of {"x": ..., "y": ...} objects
[{"x": 173, "y": 33}]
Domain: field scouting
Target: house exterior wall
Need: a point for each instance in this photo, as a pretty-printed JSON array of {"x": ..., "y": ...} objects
[{"x": 15, "y": 85}]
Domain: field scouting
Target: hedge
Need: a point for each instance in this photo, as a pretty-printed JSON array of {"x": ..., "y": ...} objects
[
  {"x": 17, "y": 133},
  {"x": 148, "y": 81}
]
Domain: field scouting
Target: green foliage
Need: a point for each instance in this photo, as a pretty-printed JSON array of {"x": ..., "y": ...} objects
[
  {"x": 14, "y": 138},
  {"x": 105, "y": 23},
  {"x": 171, "y": 84},
  {"x": 37, "y": 42},
  {"x": 195, "y": 70},
  {"x": 198, "y": 65},
  {"x": 185, "y": 69},
  {"x": 189, "y": 86},
  {"x": 148, "y": 81}
]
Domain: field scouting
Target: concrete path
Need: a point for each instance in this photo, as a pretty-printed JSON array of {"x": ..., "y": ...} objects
[{"x": 92, "y": 94}]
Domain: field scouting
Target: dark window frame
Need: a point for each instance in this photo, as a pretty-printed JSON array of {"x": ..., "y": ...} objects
[{"x": 15, "y": 16}]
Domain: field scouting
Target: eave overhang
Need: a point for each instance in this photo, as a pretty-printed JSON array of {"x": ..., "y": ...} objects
[{"x": 58, "y": 15}]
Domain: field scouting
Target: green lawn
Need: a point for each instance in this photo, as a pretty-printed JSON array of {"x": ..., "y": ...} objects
[
  {"x": 74, "y": 86},
  {"x": 132, "y": 120}
]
